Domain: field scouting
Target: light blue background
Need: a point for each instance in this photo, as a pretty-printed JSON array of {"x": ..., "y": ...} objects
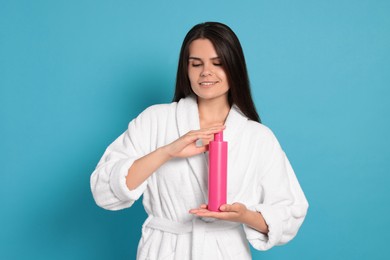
[{"x": 74, "y": 73}]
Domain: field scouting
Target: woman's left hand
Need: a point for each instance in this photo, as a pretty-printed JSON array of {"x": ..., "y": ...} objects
[
  {"x": 232, "y": 212},
  {"x": 236, "y": 212}
]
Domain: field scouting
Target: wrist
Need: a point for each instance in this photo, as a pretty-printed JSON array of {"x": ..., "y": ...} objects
[
  {"x": 165, "y": 155},
  {"x": 255, "y": 220},
  {"x": 247, "y": 216}
]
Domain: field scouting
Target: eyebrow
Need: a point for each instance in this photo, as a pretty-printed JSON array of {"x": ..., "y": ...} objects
[{"x": 196, "y": 58}]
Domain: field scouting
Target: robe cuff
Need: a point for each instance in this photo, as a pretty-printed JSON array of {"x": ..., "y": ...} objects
[
  {"x": 118, "y": 181},
  {"x": 271, "y": 216}
]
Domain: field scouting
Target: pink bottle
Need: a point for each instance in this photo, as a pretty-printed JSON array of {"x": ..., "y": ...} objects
[{"x": 217, "y": 172}]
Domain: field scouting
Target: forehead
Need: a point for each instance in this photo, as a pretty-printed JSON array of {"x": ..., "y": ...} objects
[{"x": 202, "y": 48}]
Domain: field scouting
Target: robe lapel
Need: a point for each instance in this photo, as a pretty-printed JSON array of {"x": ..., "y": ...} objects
[
  {"x": 235, "y": 124},
  {"x": 187, "y": 116}
]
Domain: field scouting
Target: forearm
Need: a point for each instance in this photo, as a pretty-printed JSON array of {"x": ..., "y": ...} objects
[
  {"x": 183, "y": 147},
  {"x": 145, "y": 166},
  {"x": 255, "y": 220}
]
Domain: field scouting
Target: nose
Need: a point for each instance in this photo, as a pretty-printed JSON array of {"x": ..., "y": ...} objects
[{"x": 206, "y": 71}]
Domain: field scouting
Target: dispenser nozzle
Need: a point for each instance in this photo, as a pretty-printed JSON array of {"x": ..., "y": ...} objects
[{"x": 218, "y": 136}]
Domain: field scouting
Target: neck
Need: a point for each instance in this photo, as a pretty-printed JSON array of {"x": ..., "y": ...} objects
[{"x": 213, "y": 112}]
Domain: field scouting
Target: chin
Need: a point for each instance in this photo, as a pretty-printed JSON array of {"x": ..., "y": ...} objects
[{"x": 213, "y": 97}]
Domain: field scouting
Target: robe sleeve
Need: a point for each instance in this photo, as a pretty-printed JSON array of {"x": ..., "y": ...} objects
[
  {"x": 108, "y": 181},
  {"x": 283, "y": 206}
]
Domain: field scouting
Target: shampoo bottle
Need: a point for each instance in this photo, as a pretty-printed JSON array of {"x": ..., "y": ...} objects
[{"x": 217, "y": 172}]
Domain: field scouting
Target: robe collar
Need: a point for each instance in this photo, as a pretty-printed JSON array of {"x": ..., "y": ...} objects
[{"x": 187, "y": 116}]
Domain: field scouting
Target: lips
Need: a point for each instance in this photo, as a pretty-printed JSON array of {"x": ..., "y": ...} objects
[{"x": 208, "y": 83}]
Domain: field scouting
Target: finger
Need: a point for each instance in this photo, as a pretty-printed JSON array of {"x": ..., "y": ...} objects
[
  {"x": 202, "y": 212},
  {"x": 227, "y": 208},
  {"x": 198, "y": 211},
  {"x": 193, "y": 137},
  {"x": 212, "y": 214},
  {"x": 201, "y": 149},
  {"x": 224, "y": 207},
  {"x": 195, "y": 210},
  {"x": 209, "y": 130},
  {"x": 201, "y": 207},
  {"x": 216, "y": 129},
  {"x": 218, "y": 126},
  {"x": 206, "y": 134}
]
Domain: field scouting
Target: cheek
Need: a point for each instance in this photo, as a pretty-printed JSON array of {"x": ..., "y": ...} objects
[
  {"x": 222, "y": 75},
  {"x": 192, "y": 76}
]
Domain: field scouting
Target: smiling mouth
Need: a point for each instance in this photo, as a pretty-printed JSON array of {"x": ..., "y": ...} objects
[{"x": 208, "y": 83}]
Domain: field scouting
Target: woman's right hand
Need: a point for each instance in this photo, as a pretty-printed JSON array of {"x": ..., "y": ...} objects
[{"x": 186, "y": 146}]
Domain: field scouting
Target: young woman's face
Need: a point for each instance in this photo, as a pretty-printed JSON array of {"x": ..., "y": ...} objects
[{"x": 205, "y": 71}]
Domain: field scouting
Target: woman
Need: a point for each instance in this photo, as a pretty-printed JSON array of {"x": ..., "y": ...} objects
[{"x": 163, "y": 155}]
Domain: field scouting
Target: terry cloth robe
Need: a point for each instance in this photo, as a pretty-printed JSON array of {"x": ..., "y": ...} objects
[{"x": 259, "y": 176}]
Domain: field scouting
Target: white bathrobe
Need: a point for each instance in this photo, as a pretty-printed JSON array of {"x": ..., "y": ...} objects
[{"x": 259, "y": 176}]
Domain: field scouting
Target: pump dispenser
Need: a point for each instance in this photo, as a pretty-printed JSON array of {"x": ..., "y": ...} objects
[{"x": 217, "y": 172}]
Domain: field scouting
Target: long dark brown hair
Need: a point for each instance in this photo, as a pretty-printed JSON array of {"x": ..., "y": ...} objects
[{"x": 230, "y": 52}]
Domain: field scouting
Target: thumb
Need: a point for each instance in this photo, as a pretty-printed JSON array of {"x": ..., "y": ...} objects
[
  {"x": 225, "y": 207},
  {"x": 201, "y": 149}
]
